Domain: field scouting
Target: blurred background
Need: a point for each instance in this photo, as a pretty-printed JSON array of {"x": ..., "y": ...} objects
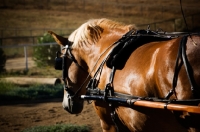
[
  {"x": 27, "y": 52},
  {"x": 23, "y": 22}
]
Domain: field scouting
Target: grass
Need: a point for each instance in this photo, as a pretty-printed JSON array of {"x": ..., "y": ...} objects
[
  {"x": 58, "y": 128},
  {"x": 10, "y": 92},
  {"x": 47, "y": 71}
]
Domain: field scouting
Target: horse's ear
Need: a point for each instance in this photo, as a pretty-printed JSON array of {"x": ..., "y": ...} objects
[{"x": 59, "y": 39}]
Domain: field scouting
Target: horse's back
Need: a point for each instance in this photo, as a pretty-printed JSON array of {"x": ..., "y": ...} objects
[
  {"x": 149, "y": 72},
  {"x": 150, "y": 69},
  {"x": 146, "y": 66}
]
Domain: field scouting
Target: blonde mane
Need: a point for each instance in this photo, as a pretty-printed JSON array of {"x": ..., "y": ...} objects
[{"x": 89, "y": 32}]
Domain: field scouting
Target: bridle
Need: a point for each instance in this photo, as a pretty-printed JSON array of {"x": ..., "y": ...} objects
[
  {"x": 61, "y": 63},
  {"x": 71, "y": 57}
]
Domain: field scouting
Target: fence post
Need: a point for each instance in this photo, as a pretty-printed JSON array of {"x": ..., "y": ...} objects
[{"x": 26, "y": 59}]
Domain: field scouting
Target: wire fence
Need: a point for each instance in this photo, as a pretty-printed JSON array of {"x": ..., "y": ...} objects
[
  {"x": 19, "y": 61},
  {"x": 19, "y": 42},
  {"x": 20, "y": 36},
  {"x": 104, "y": 6},
  {"x": 26, "y": 36}
]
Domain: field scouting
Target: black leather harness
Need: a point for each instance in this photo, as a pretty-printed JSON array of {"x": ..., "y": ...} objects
[
  {"x": 182, "y": 55},
  {"x": 126, "y": 45}
]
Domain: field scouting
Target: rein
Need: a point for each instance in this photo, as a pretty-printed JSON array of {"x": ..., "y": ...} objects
[
  {"x": 109, "y": 95},
  {"x": 93, "y": 92},
  {"x": 60, "y": 64}
]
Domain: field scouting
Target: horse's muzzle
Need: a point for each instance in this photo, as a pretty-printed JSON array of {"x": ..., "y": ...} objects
[{"x": 73, "y": 106}]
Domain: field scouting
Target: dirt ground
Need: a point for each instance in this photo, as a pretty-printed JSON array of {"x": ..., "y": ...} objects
[
  {"x": 18, "y": 116},
  {"x": 19, "y": 63}
]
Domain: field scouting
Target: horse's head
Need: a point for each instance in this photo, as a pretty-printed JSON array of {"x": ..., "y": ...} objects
[
  {"x": 74, "y": 75},
  {"x": 83, "y": 49}
]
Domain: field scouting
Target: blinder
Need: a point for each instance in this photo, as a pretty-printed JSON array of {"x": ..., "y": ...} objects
[{"x": 58, "y": 61}]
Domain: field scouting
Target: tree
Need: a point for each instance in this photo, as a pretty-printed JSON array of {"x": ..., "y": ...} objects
[{"x": 45, "y": 55}]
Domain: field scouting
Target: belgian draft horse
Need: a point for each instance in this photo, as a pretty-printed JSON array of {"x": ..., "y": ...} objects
[{"x": 147, "y": 72}]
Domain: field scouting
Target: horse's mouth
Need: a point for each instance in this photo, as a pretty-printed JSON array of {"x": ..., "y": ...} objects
[{"x": 73, "y": 107}]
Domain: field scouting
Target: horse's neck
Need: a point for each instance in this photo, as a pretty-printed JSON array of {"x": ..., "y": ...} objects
[{"x": 98, "y": 52}]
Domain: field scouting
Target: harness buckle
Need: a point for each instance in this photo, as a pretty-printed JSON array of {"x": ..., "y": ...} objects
[{"x": 109, "y": 91}]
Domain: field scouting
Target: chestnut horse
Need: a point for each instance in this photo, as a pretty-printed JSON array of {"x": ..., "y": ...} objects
[{"x": 147, "y": 72}]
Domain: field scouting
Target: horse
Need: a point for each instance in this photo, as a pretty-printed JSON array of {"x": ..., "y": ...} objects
[{"x": 148, "y": 71}]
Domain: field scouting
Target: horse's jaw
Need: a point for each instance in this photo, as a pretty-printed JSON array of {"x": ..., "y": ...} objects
[{"x": 72, "y": 106}]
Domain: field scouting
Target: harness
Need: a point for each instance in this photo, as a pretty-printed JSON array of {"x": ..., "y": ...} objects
[
  {"x": 181, "y": 55},
  {"x": 126, "y": 45},
  {"x": 60, "y": 64}
]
